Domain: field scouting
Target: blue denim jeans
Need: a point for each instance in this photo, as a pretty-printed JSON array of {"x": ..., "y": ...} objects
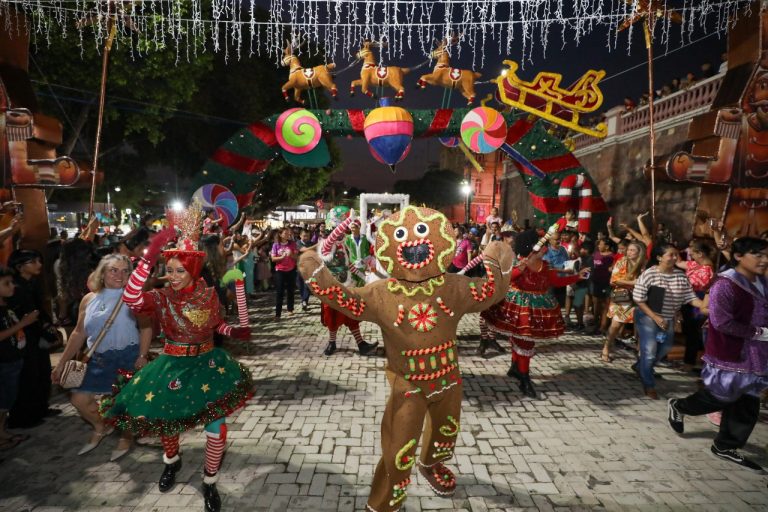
[{"x": 651, "y": 351}]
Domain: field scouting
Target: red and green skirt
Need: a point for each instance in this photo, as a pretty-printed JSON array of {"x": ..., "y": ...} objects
[
  {"x": 173, "y": 394},
  {"x": 527, "y": 314}
]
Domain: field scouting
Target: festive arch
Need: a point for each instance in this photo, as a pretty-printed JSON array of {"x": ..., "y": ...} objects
[{"x": 241, "y": 160}]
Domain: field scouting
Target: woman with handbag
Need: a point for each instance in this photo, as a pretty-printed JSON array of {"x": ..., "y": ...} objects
[
  {"x": 621, "y": 309},
  {"x": 114, "y": 342},
  {"x": 659, "y": 294},
  {"x": 191, "y": 383}
]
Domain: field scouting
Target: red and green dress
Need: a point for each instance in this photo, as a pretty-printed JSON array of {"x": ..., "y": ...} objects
[
  {"x": 192, "y": 382},
  {"x": 529, "y": 312}
]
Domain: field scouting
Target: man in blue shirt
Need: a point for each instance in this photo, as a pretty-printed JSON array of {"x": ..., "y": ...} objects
[{"x": 556, "y": 256}]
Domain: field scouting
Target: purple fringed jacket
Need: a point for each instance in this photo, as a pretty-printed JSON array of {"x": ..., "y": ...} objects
[{"x": 736, "y": 362}]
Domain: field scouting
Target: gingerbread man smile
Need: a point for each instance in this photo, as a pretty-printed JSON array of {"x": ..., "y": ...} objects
[{"x": 414, "y": 254}]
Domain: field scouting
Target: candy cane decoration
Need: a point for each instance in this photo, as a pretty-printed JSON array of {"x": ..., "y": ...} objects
[
  {"x": 336, "y": 236},
  {"x": 472, "y": 264},
  {"x": 448, "y": 311},
  {"x": 582, "y": 184},
  {"x": 400, "y": 315}
]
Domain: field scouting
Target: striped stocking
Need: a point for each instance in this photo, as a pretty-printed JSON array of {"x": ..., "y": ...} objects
[
  {"x": 214, "y": 450},
  {"x": 356, "y": 333},
  {"x": 170, "y": 448},
  {"x": 485, "y": 333}
]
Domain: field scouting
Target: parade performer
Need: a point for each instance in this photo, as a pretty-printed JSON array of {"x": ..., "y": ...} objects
[
  {"x": 334, "y": 253},
  {"x": 418, "y": 309},
  {"x": 191, "y": 383},
  {"x": 736, "y": 354},
  {"x": 358, "y": 253},
  {"x": 530, "y": 312}
]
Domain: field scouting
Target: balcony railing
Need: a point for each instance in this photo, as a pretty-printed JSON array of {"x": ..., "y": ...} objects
[{"x": 682, "y": 105}]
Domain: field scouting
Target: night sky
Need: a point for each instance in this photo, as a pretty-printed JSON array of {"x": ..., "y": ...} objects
[{"x": 362, "y": 171}]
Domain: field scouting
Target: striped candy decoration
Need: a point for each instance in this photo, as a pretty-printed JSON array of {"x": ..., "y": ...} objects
[
  {"x": 400, "y": 315},
  {"x": 429, "y": 350},
  {"x": 422, "y": 317},
  {"x": 443, "y": 307},
  {"x": 414, "y": 243},
  {"x": 582, "y": 184}
]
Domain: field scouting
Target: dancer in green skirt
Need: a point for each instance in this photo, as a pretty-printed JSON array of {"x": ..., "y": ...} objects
[{"x": 191, "y": 383}]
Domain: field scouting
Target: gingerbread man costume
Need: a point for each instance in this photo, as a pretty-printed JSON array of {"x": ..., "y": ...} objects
[{"x": 418, "y": 309}]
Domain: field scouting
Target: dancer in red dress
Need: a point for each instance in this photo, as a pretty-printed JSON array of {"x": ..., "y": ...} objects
[{"x": 529, "y": 312}]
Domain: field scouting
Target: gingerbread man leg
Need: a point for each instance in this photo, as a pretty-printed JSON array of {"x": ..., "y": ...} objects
[
  {"x": 439, "y": 441},
  {"x": 401, "y": 427}
]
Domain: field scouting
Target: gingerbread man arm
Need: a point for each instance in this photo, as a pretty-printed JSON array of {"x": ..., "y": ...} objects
[
  {"x": 351, "y": 302},
  {"x": 479, "y": 294}
]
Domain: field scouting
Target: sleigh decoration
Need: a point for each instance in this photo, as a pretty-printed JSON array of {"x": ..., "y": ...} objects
[{"x": 545, "y": 98}]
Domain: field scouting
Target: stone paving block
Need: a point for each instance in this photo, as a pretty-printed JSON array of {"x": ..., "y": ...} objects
[{"x": 310, "y": 439}]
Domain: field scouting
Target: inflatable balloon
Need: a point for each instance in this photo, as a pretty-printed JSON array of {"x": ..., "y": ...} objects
[
  {"x": 219, "y": 198},
  {"x": 483, "y": 130},
  {"x": 449, "y": 142},
  {"x": 298, "y": 131},
  {"x": 389, "y": 132}
]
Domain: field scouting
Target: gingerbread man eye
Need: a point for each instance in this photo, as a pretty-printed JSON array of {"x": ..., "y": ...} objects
[
  {"x": 421, "y": 230},
  {"x": 400, "y": 234}
]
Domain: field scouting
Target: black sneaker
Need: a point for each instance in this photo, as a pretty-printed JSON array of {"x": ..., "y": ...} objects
[
  {"x": 736, "y": 458},
  {"x": 674, "y": 416}
]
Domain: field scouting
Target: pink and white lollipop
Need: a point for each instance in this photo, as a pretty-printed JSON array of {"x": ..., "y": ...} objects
[
  {"x": 483, "y": 130},
  {"x": 219, "y": 198},
  {"x": 298, "y": 131}
]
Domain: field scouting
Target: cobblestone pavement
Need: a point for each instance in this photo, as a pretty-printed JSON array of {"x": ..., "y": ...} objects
[{"x": 309, "y": 439}]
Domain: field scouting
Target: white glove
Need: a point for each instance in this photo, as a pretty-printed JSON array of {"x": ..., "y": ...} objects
[{"x": 762, "y": 334}]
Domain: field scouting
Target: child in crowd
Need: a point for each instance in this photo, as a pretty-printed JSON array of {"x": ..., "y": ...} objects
[
  {"x": 12, "y": 342},
  {"x": 304, "y": 244}
]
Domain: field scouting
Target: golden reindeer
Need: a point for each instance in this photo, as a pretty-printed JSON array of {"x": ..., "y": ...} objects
[
  {"x": 301, "y": 78},
  {"x": 446, "y": 76},
  {"x": 372, "y": 74}
]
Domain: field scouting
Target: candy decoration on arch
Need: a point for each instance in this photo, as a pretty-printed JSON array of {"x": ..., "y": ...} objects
[
  {"x": 483, "y": 130},
  {"x": 298, "y": 131},
  {"x": 218, "y": 198},
  {"x": 579, "y": 183},
  {"x": 389, "y": 132}
]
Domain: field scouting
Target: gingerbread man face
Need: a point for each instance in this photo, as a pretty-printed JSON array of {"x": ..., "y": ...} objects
[{"x": 415, "y": 244}]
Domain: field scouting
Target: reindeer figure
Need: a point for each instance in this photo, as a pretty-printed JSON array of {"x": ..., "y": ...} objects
[
  {"x": 446, "y": 76},
  {"x": 372, "y": 74},
  {"x": 301, "y": 79}
]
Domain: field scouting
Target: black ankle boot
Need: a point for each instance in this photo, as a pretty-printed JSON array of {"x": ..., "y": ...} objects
[
  {"x": 168, "y": 478},
  {"x": 514, "y": 372},
  {"x": 483, "y": 346},
  {"x": 330, "y": 349},
  {"x": 492, "y": 343},
  {"x": 367, "y": 348},
  {"x": 211, "y": 498},
  {"x": 526, "y": 386}
]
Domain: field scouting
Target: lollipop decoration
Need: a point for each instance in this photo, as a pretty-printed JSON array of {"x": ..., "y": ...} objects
[
  {"x": 218, "y": 198},
  {"x": 298, "y": 131},
  {"x": 483, "y": 130}
]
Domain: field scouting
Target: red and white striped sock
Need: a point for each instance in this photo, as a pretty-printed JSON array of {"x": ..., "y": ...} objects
[
  {"x": 332, "y": 336},
  {"x": 214, "y": 450},
  {"x": 485, "y": 333},
  {"x": 170, "y": 448},
  {"x": 356, "y": 333},
  {"x": 242, "y": 306}
]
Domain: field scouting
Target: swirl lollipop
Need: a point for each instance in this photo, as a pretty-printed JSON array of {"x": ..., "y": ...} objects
[
  {"x": 219, "y": 198},
  {"x": 483, "y": 130},
  {"x": 298, "y": 131}
]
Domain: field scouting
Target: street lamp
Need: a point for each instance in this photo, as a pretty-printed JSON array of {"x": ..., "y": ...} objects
[{"x": 466, "y": 189}]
